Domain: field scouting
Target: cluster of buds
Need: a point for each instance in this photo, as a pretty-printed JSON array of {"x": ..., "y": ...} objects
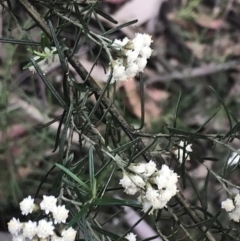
[
  {"x": 232, "y": 206},
  {"x": 129, "y": 57},
  {"x": 45, "y": 59},
  {"x": 156, "y": 187},
  {"x": 46, "y": 229}
]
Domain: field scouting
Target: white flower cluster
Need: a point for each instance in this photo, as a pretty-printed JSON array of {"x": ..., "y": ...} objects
[
  {"x": 130, "y": 57},
  {"x": 232, "y": 206},
  {"x": 156, "y": 187},
  {"x": 44, "y": 228},
  {"x": 181, "y": 154}
]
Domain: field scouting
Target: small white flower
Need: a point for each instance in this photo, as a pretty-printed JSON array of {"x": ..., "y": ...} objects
[
  {"x": 141, "y": 62},
  {"x": 179, "y": 152},
  {"x": 132, "y": 69},
  {"x": 48, "y": 204},
  {"x": 146, "y": 52},
  {"x": 237, "y": 200},
  {"x": 27, "y": 205},
  {"x": 234, "y": 216},
  {"x": 30, "y": 229},
  {"x": 228, "y": 205},
  {"x": 14, "y": 226},
  {"x": 131, "y": 190},
  {"x": 138, "y": 42},
  {"x": 150, "y": 168},
  {"x": 131, "y": 56},
  {"x": 147, "y": 40},
  {"x": 69, "y": 234},
  {"x": 126, "y": 182},
  {"x": 60, "y": 214},
  {"x": 154, "y": 198},
  {"x": 118, "y": 71},
  {"x": 130, "y": 182},
  {"x": 173, "y": 190},
  {"x": 146, "y": 206},
  {"x": 166, "y": 195},
  {"x": 45, "y": 228},
  {"x": 165, "y": 171},
  {"x": 161, "y": 181},
  {"x": 173, "y": 178},
  {"x": 138, "y": 181},
  {"x": 131, "y": 237}
]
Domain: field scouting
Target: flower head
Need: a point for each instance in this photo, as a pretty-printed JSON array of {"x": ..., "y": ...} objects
[
  {"x": 27, "y": 205},
  {"x": 48, "y": 204},
  {"x": 128, "y": 184},
  {"x": 60, "y": 214},
  {"x": 228, "y": 205},
  {"x": 30, "y": 229},
  {"x": 131, "y": 58},
  {"x": 150, "y": 168},
  {"x": 69, "y": 234},
  {"x": 131, "y": 237},
  {"x": 14, "y": 226},
  {"x": 45, "y": 228}
]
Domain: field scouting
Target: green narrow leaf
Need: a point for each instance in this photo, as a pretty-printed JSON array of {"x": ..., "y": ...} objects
[
  {"x": 91, "y": 167},
  {"x": 43, "y": 181},
  {"x": 44, "y": 41},
  {"x": 83, "y": 211},
  {"x": 73, "y": 176},
  {"x": 108, "y": 17},
  {"x": 114, "y": 201},
  {"x": 21, "y": 42},
  {"x": 62, "y": 58},
  {"x": 48, "y": 84},
  {"x": 112, "y": 236},
  {"x": 64, "y": 133},
  {"x": 176, "y": 110},
  {"x": 104, "y": 170},
  {"x": 79, "y": 16},
  {"x": 59, "y": 131},
  {"x": 233, "y": 130},
  {"x": 207, "y": 121},
  {"x": 77, "y": 46},
  {"x": 119, "y": 27},
  {"x": 211, "y": 222},
  {"x": 99, "y": 22},
  {"x": 101, "y": 95},
  {"x": 144, "y": 149}
]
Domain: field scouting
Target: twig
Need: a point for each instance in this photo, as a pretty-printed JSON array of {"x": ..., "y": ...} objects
[{"x": 195, "y": 72}]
